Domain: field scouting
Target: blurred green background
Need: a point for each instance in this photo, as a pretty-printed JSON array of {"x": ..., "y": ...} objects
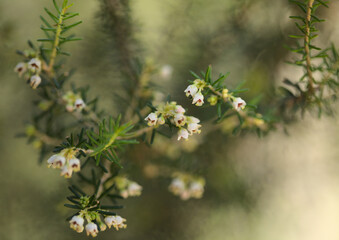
[{"x": 280, "y": 187}]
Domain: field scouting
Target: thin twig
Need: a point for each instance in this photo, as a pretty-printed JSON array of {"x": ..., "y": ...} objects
[{"x": 307, "y": 47}]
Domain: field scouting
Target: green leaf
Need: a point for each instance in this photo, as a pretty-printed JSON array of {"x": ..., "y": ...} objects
[
  {"x": 72, "y": 206},
  {"x": 65, "y": 29},
  {"x": 296, "y": 36},
  {"x": 56, "y": 7},
  {"x": 194, "y": 75},
  {"x": 54, "y": 18}
]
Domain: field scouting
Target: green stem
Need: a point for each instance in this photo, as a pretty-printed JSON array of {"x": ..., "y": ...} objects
[
  {"x": 307, "y": 43},
  {"x": 56, "y": 41}
]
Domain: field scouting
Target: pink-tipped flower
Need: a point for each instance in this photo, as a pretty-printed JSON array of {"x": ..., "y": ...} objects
[
  {"x": 35, "y": 81},
  {"x": 77, "y": 223},
  {"x": 182, "y": 134},
  {"x": 198, "y": 99},
  {"x": 92, "y": 229},
  {"x": 238, "y": 104},
  {"x": 191, "y": 90},
  {"x": 151, "y": 119}
]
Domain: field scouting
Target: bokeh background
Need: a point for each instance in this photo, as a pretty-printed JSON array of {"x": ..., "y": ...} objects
[{"x": 282, "y": 187}]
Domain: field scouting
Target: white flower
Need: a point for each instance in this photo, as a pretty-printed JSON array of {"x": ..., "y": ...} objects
[
  {"x": 198, "y": 99},
  {"x": 134, "y": 189},
  {"x": 56, "y": 161},
  {"x": 74, "y": 164},
  {"x": 20, "y": 68},
  {"x": 238, "y": 104},
  {"x": 179, "y": 109},
  {"x": 152, "y": 119},
  {"x": 179, "y": 119},
  {"x": 66, "y": 171},
  {"x": 191, "y": 90},
  {"x": 196, "y": 189},
  {"x": 182, "y": 133},
  {"x": 115, "y": 221},
  {"x": 34, "y": 64},
  {"x": 35, "y": 81},
  {"x": 77, "y": 223},
  {"x": 79, "y": 104},
  {"x": 92, "y": 229},
  {"x": 193, "y": 128},
  {"x": 177, "y": 186},
  {"x": 193, "y": 120}
]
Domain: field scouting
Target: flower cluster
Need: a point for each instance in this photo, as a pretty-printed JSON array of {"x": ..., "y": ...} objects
[
  {"x": 31, "y": 71},
  {"x": 186, "y": 186},
  {"x": 195, "y": 90},
  {"x": 127, "y": 188},
  {"x": 73, "y": 101},
  {"x": 94, "y": 222},
  {"x": 66, "y": 161},
  {"x": 175, "y": 114}
]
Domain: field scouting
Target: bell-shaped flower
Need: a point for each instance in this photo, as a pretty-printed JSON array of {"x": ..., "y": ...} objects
[
  {"x": 193, "y": 120},
  {"x": 182, "y": 134},
  {"x": 77, "y": 223},
  {"x": 74, "y": 163},
  {"x": 185, "y": 195},
  {"x": 198, "y": 99},
  {"x": 116, "y": 221},
  {"x": 20, "y": 68},
  {"x": 34, "y": 65},
  {"x": 196, "y": 189},
  {"x": 56, "y": 161},
  {"x": 134, "y": 189},
  {"x": 238, "y": 104},
  {"x": 92, "y": 229},
  {"x": 35, "y": 81},
  {"x": 193, "y": 128},
  {"x": 79, "y": 104},
  {"x": 66, "y": 171},
  {"x": 191, "y": 90},
  {"x": 177, "y": 186},
  {"x": 179, "y": 119},
  {"x": 151, "y": 119},
  {"x": 179, "y": 109}
]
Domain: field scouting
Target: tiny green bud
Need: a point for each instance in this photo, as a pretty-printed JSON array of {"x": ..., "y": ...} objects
[{"x": 213, "y": 100}]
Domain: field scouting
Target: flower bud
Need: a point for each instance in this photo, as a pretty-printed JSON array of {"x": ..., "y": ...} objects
[
  {"x": 213, "y": 100},
  {"x": 179, "y": 109}
]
